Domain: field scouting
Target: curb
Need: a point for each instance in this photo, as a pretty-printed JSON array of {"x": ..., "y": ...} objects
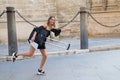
[
  {"x": 66, "y": 52},
  {"x": 104, "y": 48}
]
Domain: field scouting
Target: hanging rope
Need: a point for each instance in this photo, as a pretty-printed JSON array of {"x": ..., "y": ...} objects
[
  {"x": 101, "y": 23},
  {"x": 70, "y": 20},
  {"x": 2, "y": 13},
  {"x": 25, "y": 19},
  {"x": 36, "y": 26}
]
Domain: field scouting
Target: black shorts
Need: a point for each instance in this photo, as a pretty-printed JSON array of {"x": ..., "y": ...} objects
[{"x": 42, "y": 46}]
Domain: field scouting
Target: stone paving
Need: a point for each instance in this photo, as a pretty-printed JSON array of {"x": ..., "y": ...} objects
[
  {"x": 94, "y": 43},
  {"x": 103, "y": 65},
  {"x": 100, "y": 65}
]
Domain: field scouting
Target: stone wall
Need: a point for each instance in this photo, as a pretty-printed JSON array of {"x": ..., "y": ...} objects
[
  {"x": 106, "y": 12},
  {"x": 37, "y": 12},
  {"x": 66, "y": 10}
]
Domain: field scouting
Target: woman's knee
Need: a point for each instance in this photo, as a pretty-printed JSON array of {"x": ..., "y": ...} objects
[
  {"x": 44, "y": 55},
  {"x": 30, "y": 54},
  {"x": 43, "y": 52}
]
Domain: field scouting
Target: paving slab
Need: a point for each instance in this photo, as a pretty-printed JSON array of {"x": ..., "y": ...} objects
[{"x": 103, "y": 65}]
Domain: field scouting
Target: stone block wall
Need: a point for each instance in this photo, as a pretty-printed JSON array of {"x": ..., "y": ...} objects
[
  {"x": 37, "y": 12},
  {"x": 106, "y": 12}
]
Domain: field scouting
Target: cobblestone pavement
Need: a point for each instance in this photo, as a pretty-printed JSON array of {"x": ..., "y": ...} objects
[
  {"x": 75, "y": 44},
  {"x": 103, "y": 65}
]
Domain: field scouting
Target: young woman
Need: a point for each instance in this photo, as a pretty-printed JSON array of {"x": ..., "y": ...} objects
[{"x": 39, "y": 35}]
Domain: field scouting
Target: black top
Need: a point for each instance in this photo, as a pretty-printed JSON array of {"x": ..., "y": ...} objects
[{"x": 42, "y": 33}]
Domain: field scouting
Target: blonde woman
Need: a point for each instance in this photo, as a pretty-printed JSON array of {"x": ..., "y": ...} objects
[{"x": 39, "y": 35}]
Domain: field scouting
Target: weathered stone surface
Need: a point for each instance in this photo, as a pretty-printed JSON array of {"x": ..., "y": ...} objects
[{"x": 37, "y": 12}]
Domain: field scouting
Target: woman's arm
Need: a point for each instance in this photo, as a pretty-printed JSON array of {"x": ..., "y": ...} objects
[{"x": 33, "y": 37}]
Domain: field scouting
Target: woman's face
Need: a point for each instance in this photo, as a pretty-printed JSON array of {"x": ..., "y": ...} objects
[{"x": 52, "y": 21}]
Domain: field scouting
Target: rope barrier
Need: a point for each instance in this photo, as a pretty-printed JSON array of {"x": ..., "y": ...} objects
[
  {"x": 101, "y": 23},
  {"x": 66, "y": 23},
  {"x": 36, "y": 26},
  {"x": 25, "y": 19},
  {"x": 2, "y": 13},
  {"x": 70, "y": 20}
]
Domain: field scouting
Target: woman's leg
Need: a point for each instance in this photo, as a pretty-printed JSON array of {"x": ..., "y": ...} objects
[
  {"x": 29, "y": 53},
  {"x": 44, "y": 57}
]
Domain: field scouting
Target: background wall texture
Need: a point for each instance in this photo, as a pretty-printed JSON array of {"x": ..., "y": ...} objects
[{"x": 37, "y": 11}]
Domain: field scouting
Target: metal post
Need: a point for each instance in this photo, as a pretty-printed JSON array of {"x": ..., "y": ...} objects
[
  {"x": 83, "y": 28},
  {"x": 11, "y": 24}
]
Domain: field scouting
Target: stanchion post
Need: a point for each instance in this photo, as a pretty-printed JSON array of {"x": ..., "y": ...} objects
[
  {"x": 83, "y": 28},
  {"x": 11, "y": 25}
]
